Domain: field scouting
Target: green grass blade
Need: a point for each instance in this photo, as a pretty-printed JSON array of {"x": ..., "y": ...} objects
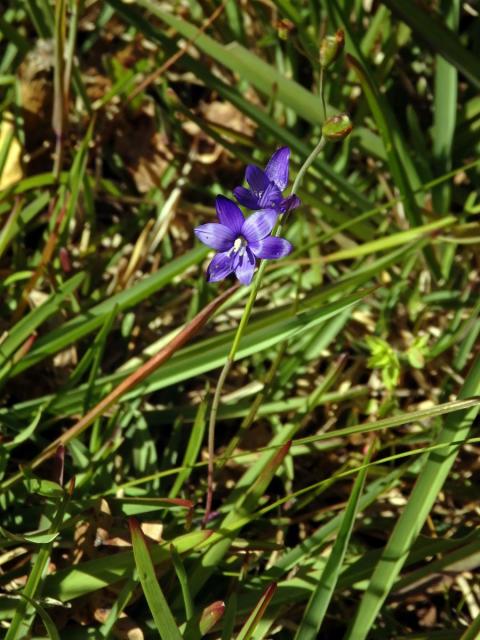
[
  {"x": 20, "y": 218},
  {"x": 265, "y": 121},
  {"x": 393, "y": 240},
  {"x": 254, "y": 618},
  {"x": 45, "y": 617},
  {"x": 21, "y": 621},
  {"x": 444, "y": 125},
  {"x": 473, "y": 631},
  {"x": 193, "y": 448},
  {"x": 315, "y": 541},
  {"x": 162, "y": 616},
  {"x": 183, "y": 581},
  {"x": 210, "y": 353},
  {"x": 320, "y": 598},
  {"x": 98, "y": 573},
  {"x": 239, "y": 513},
  {"x": 456, "y": 428}
]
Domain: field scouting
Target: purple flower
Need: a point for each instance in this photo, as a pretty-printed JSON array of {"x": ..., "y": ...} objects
[
  {"x": 266, "y": 186},
  {"x": 240, "y": 241}
]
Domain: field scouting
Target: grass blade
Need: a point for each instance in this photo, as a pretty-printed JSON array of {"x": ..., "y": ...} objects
[
  {"x": 320, "y": 598},
  {"x": 249, "y": 66},
  {"x": 473, "y": 631},
  {"x": 164, "y": 620},
  {"x": 254, "y": 618},
  {"x": 46, "y": 619},
  {"x": 456, "y": 428},
  {"x": 240, "y": 512},
  {"x": 21, "y": 621},
  {"x": 96, "y": 574}
]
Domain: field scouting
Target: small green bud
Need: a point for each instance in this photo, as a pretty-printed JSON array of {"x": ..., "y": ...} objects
[
  {"x": 337, "y": 127},
  {"x": 330, "y": 48}
]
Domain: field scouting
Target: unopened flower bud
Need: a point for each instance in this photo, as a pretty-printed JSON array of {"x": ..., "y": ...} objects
[
  {"x": 285, "y": 28},
  {"x": 330, "y": 48},
  {"x": 210, "y": 616},
  {"x": 337, "y": 127}
]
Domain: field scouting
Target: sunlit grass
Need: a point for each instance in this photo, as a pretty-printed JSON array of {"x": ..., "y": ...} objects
[{"x": 346, "y": 476}]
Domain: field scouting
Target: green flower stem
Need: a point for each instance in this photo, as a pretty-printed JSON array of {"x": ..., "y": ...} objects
[
  {"x": 322, "y": 92},
  {"x": 239, "y": 334},
  {"x": 267, "y": 381},
  {"x": 306, "y": 165}
]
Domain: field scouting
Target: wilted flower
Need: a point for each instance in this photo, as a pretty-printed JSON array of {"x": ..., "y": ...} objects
[
  {"x": 330, "y": 48},
  {"x": 240, "y": 241},
  {"x": 266, "y": 186}
]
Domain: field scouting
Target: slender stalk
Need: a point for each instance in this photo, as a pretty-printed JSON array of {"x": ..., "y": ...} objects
[
  {"x": 306, "y": 165},
  {"x": 239, "y": 333},
  {"x": 267, "y": 381},
  {"x": 322, "y": 93},
  {"x": 211, "y": 435},
  {"x": 59, "y": 106}
]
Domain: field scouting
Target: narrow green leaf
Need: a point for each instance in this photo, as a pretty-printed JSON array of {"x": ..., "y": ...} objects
[
  {"x": 193, "y": 448},
  {"x": 21, "y": 621},
  {"x": 430, "y": 481},
  {"x": 320, "y": 599},
  {"x": 162, "y": 616},
  {"x": 389, "y": 241},
  {"x": 45, "y": 617},
  {"x": 236, "y": 516},
  {"x": 92, "y": 575},
  {"x": 37, "y": 537},
  {"x": 254, "y": 618},
  {"x": 20, "y": 218},
  {"x": 183, "y": 580},
  {"x": 25, "y": 434},
  {"x": 249, "y": 66},
  {"x": 264, "y": 120},
  {"x": 473, "y": 631}
]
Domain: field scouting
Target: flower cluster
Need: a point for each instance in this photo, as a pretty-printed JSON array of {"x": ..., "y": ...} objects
[{"x": 239, "y": 240}]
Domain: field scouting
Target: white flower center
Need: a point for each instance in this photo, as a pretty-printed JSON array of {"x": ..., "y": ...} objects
[{"x": 239, "y": 244}]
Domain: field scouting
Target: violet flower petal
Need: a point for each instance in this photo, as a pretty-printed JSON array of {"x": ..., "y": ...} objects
[
  {"x": 214, "y": 235},
  {"x": 256, "y": 178},
  {"x": 246, "y": 198},
  {"x": 259, "y": 225},
  {"x": 271, "y": 248},
  {"x": 220, "y": 267},
  {"x": 245, "y": 267},
  {"x": 271, "y": 197},
  {"x": 229, "y": 214},
  {"x": 277, "y": 167}
]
